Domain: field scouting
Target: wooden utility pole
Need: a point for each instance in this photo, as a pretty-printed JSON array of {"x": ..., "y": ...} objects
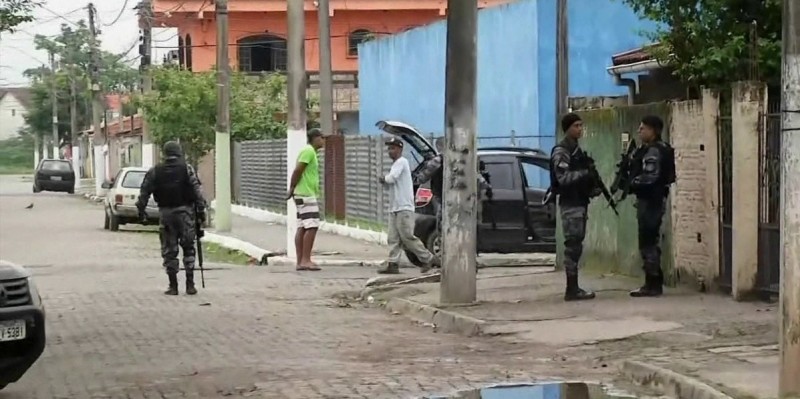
[
  {"x": 222, "y": 150},
  {"x": 325, "y": 68},
  {"x": 790, "y": 205},
  {"x": 296, "y": 93},
  {"x": 54, "y": 103},
  {"x": 73, "y": 127},
  {"x": 459, "y": 219},
  {"x": 562, "y": 59},
  {"x": 98, "y": 138},
  {"x": 145, "y": 50}
]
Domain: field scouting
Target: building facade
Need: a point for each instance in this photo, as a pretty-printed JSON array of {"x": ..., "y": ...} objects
[
  {"x": 258, "y": 29},
  {"x": 13, "y": 107},
  {"x": 516, "y": 69}
]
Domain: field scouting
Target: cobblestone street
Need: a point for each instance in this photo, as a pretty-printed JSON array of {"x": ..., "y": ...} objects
[{"x": 254, "y": 332}]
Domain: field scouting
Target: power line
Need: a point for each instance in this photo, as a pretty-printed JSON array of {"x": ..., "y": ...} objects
[
  {"x": 121, "y": 11},
  {"x": 57, "y": 15}
]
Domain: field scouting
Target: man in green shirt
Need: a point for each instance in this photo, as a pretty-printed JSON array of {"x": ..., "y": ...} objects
[{"x": 304, "y": 188}]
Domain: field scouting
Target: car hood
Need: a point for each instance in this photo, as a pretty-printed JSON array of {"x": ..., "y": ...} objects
[{"x": 10, "y": 271}]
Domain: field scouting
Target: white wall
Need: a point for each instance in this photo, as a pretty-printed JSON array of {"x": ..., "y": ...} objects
[{"x": 11, "y": 116}]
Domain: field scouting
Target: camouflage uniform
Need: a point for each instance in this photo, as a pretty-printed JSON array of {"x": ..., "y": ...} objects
[
  {"x": 433, "y": 172},
  {"x": 177, "y": 190},
  {"x": 651, "y": 189},
  {"x": 571, "y": 181}
]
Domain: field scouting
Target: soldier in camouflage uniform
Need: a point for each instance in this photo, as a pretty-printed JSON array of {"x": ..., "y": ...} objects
[
  {"x": 652, "y": 172},
  {"x": 570, "y": 179},
  {"x": 176, "y": 189},
  {"x": 433, "y": 171}
]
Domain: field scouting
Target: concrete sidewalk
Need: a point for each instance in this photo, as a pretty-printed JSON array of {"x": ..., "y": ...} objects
[
  {"x": 271, "y": 237},
  {"x": 706, "y": 338}
]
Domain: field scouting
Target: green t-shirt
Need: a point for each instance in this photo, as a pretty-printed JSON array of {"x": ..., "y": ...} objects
[{"x": 308, "y": 186}]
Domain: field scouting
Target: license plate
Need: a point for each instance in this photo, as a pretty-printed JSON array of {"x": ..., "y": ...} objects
[
  {"x": 56, "y": 178},
  {"x": 13, "y": 330}
]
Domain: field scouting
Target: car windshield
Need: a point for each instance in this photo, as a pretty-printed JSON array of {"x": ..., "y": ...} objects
[
  {"x": 58, "y": 166},
  {"x": 133, "y": 179}
]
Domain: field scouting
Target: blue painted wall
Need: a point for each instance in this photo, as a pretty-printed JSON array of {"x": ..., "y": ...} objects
[{"x": 402, "y": 77}]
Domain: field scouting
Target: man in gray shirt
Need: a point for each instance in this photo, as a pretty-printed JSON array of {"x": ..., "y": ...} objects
[{"x": 401, "y": 212}]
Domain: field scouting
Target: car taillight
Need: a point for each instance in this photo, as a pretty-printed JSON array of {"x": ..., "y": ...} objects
[
  {"x": 424, "y": 196},
  {"x": 118, "y": 199}
]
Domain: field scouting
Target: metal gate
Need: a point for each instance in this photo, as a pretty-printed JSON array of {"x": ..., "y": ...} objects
[
  {"x": 725, "y": 138},
  {"x": 768, "y": 280}
]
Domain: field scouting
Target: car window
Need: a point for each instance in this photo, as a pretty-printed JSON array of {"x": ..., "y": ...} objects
[
  {"x": 501, "y": 175},
  {"x": 57, "y": 166},
  {"x": 533, "y": 173},
  {"x": 133, "y": 179}
]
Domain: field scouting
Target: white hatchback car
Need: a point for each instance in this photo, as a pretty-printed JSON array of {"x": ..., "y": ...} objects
[{"x": 120, "y": 202}]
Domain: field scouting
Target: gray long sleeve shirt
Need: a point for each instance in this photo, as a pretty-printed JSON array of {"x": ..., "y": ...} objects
[{"x": 401, "y": 188}]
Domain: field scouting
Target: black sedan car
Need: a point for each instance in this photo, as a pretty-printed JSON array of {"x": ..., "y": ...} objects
[
  {"x": 22, "y": 332},
  {"x": 54, "y": 175}
]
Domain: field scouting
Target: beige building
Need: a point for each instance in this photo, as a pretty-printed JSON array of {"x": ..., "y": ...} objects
[{"x": 14, "y": 102}]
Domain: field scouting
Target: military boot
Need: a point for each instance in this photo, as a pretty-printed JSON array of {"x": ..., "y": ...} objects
[
  {"x": 391, "y": 268},
  {"x": 173, "y": 285},
  {"x": 574, "y": 291},
  {"x": 190, "y": 289},
  {"x": 653, "y": 286}
]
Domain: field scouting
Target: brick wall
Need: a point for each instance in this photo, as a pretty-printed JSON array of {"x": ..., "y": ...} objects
[{"x": 689, "y": 216}]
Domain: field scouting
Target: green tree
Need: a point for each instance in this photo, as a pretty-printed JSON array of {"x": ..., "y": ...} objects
[
  {"x": 15, "y": 12},
  {"x": 183, "y": 104},
  {"x": 72, "y": 51},
  {"x": 708, "y": 42}
]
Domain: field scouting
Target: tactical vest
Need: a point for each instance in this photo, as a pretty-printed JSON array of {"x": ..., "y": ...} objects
[
  {"x": 667, "y": 167},
  {"x": 172, "y": 187},
  {"x": 578, "y": 195}
]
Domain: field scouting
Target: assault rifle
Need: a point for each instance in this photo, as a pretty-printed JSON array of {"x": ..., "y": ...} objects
[
  {"x": 622, "y": 180},
  {"x": 598, "y": 181},
  {"x": 199, "y": 233}
]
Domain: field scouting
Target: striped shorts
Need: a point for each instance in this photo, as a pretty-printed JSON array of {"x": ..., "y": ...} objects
[{"x": 307, "y": 212}]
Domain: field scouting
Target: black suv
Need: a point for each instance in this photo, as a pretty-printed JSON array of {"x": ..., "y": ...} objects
[
  {"x": 22, "y": 333},
  {"x": 514, "y": 220}
]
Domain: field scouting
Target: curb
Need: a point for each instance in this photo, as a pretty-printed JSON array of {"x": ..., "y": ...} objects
[
  {"x": 669, "y": 382},
  {"x": 266, "y": 257},
  {"x": 93, "y": 198},
  {"x": 442, "y": 320}
]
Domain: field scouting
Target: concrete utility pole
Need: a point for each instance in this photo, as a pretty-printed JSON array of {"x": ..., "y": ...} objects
[
  {"x": 325, "y": 68},
  {"x": 54, "y": 101},
  {"x": 73, "y": 127},
  {"x": 296, "y": 92},
  {"x": 146, "y": 25},
  {"x": 222, "y": 150},
  {"x": 562, "y": 59},
  {"x": 459, "y": 219},
  {"x": 98, "y": 139},
  {"x": 790, "y": 204}
]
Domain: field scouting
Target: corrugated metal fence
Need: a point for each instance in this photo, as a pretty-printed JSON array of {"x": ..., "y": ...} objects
[{"x": 259, "y": 176}]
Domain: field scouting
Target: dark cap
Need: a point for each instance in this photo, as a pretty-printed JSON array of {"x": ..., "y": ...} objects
[
  {"x": 313, "y": 133},
  {"x": 394, "y": 141},
  {"x": 172, "y": 149},
  {"x": 568, "y": 120}
]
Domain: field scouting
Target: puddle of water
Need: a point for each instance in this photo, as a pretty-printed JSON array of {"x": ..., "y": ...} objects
[{"x": 543, "y": 390}]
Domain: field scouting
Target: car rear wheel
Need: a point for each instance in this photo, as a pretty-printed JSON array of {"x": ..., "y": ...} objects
[
  {"x": 71, "y": 191},
  {"x": 36, "y": 189},
  {"x": 3, "y": 386},
  {"x": 107, "y": 222}
]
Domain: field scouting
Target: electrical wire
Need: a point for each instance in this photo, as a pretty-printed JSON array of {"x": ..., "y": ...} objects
[
  {"x": 57, "y": 15},
  {"x": 121, "y": 11}
]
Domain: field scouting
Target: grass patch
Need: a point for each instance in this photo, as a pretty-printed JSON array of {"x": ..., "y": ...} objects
[
  {"x": 16, "y": 156},
  {"x": 214, "y": 253}
]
